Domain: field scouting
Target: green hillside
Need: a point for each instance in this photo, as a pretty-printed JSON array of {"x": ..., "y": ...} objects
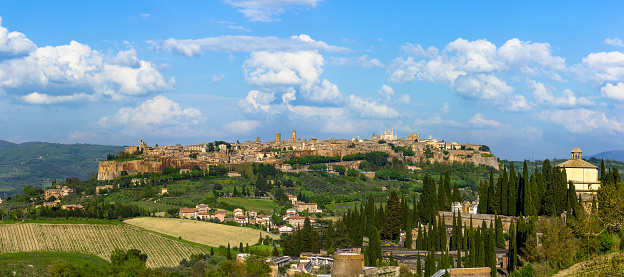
[{"x": 40, "y": 163}]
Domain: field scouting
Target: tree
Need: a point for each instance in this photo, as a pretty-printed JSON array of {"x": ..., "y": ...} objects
[
  {"x": 373, "y": 251},
  {"x": 64, "y": 269},
  {"x": 229, "y": 253},
  {"x": 513, "y": 248},
  {"x": 500, "y": 239},
  {"x": 339, "y": 168},
  {"x": 392, "y": 223},
  {"x": 408, "y": 235},
  {"x": 257, "y": 266}
]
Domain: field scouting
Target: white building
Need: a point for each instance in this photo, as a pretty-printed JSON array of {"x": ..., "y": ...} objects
[{"x": 583, "y": 174}]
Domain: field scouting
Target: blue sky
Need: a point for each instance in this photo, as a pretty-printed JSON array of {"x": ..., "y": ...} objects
[{"x": 532, "y": 80}]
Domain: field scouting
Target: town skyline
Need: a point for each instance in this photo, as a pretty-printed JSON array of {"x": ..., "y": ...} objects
[{"x": 530, "y": 80}]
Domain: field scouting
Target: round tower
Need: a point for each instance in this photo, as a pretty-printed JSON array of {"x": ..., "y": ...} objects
[{"x": 348, "y": 265}]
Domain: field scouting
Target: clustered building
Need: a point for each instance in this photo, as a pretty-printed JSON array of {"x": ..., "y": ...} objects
[{"x": 278, "y": 151}]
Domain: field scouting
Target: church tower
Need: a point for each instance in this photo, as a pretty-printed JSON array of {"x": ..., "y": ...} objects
[{"x": 294, "y": 135}]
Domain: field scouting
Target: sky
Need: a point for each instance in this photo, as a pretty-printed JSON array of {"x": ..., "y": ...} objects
[{"x": 530, "y": 79}]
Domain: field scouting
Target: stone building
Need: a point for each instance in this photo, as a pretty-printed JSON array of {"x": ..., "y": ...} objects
[{"x": 583, "y": 174}]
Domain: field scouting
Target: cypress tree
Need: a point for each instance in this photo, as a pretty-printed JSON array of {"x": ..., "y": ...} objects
[
  {"x": 247, "y": 248},
  {"x": 418, "y": 266},
  {"x": 500, "y": 239},
  {"x": 513, "y": 249},
  {"x": 240, "y": 248},
  {"x": 392, "y": 222},
  {"x": 483, "y": 194},
  {"x": 408, "y": 235},
  {"x": 441, "y": 194},
  {"x": 374, "y": 247},
  {"x": 456, "y": 194},
  {"x": 504, "y": 193},
  {"x": 492, "y": 198},
  {"x": 447, "y": 188},
  {"x": 228, "y": 253},
  {"x": 211, "y": 251},
  {"x": 513, "y": 187},
  {"x": 602, "y": 170},
  {"x": 453, "y": 233},
  {"x": 419, "y": 238},
  {"x": 571, "y": 199},
  {"x": 330, "y": 235}
]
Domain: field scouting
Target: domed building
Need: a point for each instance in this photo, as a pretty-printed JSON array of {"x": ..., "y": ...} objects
[{"x": 583, "y": 174}]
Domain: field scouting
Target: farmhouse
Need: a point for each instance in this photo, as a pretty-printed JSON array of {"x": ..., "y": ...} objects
[
  {"x": 58, "y": 193},
  {"x": 310, "y": 207},
  {"x": 188, "y": 213}
]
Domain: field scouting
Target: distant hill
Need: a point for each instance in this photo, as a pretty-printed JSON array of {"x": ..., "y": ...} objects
[
  {"x": 6, "y": 145},
  {"x": 617, "y": 155},
  {"x": 39, "y": 163}
]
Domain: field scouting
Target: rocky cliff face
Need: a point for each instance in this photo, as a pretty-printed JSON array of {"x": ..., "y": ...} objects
[{"x": 110, "y": 170}]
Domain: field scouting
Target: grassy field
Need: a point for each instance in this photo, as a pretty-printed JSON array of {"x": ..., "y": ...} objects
[
  {"x": 99, "y": 240},
  {"x": 257, "y": 205},
  {"x": 205, "y": 233},
  {"x": 606, "y": 265},
  {"x": 39, "y": 263}
]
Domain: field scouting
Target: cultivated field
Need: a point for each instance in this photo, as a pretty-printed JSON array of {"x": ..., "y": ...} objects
[
  {"x": 206, "y": 233},
  {"x": 100, "y": 240}
]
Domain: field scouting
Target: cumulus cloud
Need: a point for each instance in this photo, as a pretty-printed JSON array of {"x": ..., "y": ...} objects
[
  {"x": 241, "y": 126},
  {"x": 542, "y": 93},
  {"x": 479, "y": 121},
  {"x": 368, "y": 109},
  {"x": 584, "y": 121},
  {"x": 436, "y": 119},
  {"x": 363, "y": 61},
  {"x": 474, "y": 69},
  {"x": 266, "y": 10},
  {"x": 14, "y": 43},
  {"x": 615, "y": 92},
  {"x": 405, "y": 99},
  {"x": 613, "y": 42},
  {"x": 195, "y": 47},
  {"x": 601, "y": 67},
  {"x": 292, "y": 74},
  {"x": 386, "y": 92},
  {"x": 159, "y": 116},
  {"x": 75, "y": 71}
]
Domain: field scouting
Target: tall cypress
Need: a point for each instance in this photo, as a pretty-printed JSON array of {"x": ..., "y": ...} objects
[
  {"x": 374, "y": 247},
  {"x": 504, "y": 193},
  {"x": 492, "y": 198},
  {"x": 447, "y": 189},
  {"x": 513, "y": 249},
  {"x": 500, "y": 239},
  {"x": 408, "y": 235},
  {"x": 456, "y": 194},
  {"x": 441, "y": 194},
  {"x": 329, "y": 237},
  {"x": 418, "y": 266},
  {"x": 513, "y": 187},
  {"x": 602, "y": 170},
  {"x": 483, "y": 195},
  {"x": 392, "y": 222}
]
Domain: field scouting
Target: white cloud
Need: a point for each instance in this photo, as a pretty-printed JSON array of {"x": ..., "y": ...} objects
[
  {"x": 367, "y": 109},
  {"x": 363, "y": 61},
  {"x": 601, "y": 67},
  {"x": 542, "y": 93},
  {"x": 479, "y": 121},
  {"x": 14, "y": 43},
  {"x": 194, "y": 47},
  {"x": 613, "y": 92},
  {"x": 291, "y": 73},
  {"x": 241, "y": 126},
  {"x": 144, "y": 15},
  {"x": 436, "y": 119},
  {"x": 613, "y": 42},
  {"x": 217, "y": 78},
  {"x": 266, "y": 10},
  {"x": 63, "y": 73},
  {"x": 160, "y": 116},
  {"x": 475, "y": 69},
  {"x": 445, "y": 108},
  {"x": 44, "y": 99},
  {"x": 405, "y": 99},
  {"x": 584, "y": 121},
  {"x": 386, "y": 92}
]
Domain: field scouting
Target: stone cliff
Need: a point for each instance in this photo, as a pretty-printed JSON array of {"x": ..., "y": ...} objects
[{"x": 110, "y": 170}]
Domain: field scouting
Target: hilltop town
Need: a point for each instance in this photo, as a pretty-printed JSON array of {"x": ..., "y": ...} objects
[{"x": 412, "y": 149}]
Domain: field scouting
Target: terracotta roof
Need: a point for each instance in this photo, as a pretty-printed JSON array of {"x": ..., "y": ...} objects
[{"x": 576, "y": 163}]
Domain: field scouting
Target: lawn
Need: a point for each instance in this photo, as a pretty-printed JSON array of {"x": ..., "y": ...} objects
[
  {"x": 206, "y": 233},
  {"x": 258, "y": 205}
]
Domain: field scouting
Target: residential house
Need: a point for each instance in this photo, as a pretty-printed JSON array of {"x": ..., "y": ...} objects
[
  {"x": 220, "y": 215},
  {"x": 203, "y": 216},
  {"x": 285, "y": 229},
  {"x": 310, "y": 207},
  {"x": 241, "y": 219},
  {"x": 188, "y": 213},
  {"x": 238, "y": 212}
]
